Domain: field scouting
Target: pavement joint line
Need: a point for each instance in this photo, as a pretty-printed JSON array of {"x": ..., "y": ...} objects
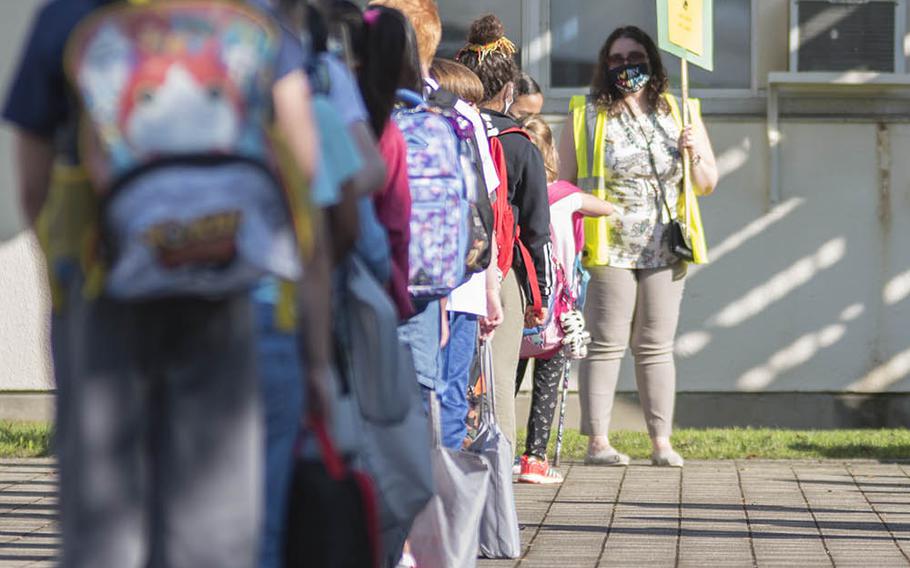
[
  {"x": 603, "y": 546},
  {"x": 877, "y": 513},
  {"x": 800, "y": 502},
  {"x": 679, "y": 514},
  {"x": 543, "y": 519},
  {"x": 24, "y": 506},
  {"x": 818, "y": 528},
  {"x": 12, "y": 484},
  {"x": 742, "y": 494},
  {"x": 27, "y": 534}
]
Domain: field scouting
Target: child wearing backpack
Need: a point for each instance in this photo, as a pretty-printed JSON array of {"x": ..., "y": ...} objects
[
  {"x": 473, "y": 308},
  {"x": 562, "y": 337},
  {"x": 522, "y": 213},
  {"x": 383, "y": 59},
  {"x": 158, "y": 349}
]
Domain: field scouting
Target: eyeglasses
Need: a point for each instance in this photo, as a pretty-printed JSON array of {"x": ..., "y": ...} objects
[{"x": 632, "y": 58}]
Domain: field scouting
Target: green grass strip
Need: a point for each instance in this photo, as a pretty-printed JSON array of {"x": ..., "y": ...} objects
[
  {"x": 747, "y": 443},
  {"x": 24, "y": 439},
  {"x": 29, "y": 439}
]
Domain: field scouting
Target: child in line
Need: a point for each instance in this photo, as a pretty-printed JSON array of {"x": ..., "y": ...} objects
[
  {"x": 568, "y": 205},
  {"x": 525, "y": 291},
  {"x": 474, "y": 304}
]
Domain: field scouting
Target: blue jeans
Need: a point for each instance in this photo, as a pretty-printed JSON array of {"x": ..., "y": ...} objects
[
  {"x": 452, "y": 385},
  {"x": 281, "y": 385},
  {"x": 421, "y": 333}
]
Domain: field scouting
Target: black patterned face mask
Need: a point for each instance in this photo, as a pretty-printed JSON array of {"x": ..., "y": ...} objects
[{"x": 630, "y": 78}]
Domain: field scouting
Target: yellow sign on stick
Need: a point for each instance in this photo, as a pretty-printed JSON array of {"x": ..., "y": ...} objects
[{"x": 686, "y": 24}]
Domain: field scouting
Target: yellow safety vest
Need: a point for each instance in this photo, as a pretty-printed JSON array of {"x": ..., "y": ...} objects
[{"x": 589, "y": 127}]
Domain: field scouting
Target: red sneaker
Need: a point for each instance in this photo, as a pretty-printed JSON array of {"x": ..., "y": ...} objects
[{"x": 538, "y": 471}]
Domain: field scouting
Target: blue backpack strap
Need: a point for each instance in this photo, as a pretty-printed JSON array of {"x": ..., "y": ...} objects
[{"x": 408, "y": 97}]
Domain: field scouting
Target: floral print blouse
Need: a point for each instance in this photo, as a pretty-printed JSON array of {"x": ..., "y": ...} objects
[{"x": 639, "y": 236}]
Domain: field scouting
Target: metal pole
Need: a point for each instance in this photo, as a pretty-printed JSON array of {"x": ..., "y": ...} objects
[
  {"x": 687, "y": 165},
  {"x": 567, "y": 368}
]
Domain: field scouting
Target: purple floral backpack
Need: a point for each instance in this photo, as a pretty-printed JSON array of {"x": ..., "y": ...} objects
[{"x": 443, "y": 187}]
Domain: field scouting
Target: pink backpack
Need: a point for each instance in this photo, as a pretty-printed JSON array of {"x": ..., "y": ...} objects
[{"x": 544, "y": 341}]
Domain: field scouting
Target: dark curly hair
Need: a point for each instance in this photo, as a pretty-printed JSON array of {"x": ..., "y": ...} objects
[
  {"x": 498, "y": 68},
  {"x": 607, "y": 96}
]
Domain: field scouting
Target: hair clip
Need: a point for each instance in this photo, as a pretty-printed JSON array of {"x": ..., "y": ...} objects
[{"x": 502, "y": 45}]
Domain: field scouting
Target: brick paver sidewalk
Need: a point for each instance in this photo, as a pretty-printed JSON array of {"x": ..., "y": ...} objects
[
  {"x": 709, "y": 514},
  {"x": 726, "y": 514},
  {"x": 28, "y": 533}
]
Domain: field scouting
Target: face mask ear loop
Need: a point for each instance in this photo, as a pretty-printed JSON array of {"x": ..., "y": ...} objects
[{"x": 506, "y": 103}]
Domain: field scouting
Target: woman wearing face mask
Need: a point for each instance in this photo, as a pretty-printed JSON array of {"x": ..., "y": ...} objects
[{"x": 626, "y": 146}]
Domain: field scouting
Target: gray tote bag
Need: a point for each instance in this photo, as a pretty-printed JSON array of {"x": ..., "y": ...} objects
[
  {"x": 445, "y": 533},
  {"x": 378, "y": 374},
  {"x": 499, "y": 532},
  {"x": 398, "y": 458}
]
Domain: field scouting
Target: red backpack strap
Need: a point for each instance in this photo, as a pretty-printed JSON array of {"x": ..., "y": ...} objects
[
  {"x": 337, "y": 470},
  {"x": 334, "y": 464},
  {"x": 514, "y": 130},
  {"x": 503, "y": 220},
  {"x": 510, "y": 231},
  {"x": 536, "y": 300}
]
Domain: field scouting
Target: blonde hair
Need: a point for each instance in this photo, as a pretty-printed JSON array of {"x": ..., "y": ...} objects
[
  {"x": 424, "y": 17},
  {"x": 455, "y": 77},
  {"x": 542, "y": 137}
]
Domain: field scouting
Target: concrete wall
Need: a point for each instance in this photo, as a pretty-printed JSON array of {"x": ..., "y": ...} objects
[
  {"x": 811, "y": 294},
  {"x": 24, "y": 363}
]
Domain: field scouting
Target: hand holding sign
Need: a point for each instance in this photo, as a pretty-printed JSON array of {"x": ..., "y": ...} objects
[{"x": 686, "y": 29}]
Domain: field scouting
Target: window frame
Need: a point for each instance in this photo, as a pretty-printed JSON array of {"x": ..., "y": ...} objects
[{"x": 537, "y": 37}]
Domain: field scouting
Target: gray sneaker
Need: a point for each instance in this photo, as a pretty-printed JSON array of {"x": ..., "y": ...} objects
[
  {"x": 608, "y": 457},
  {"x": 667, "y": 458}
]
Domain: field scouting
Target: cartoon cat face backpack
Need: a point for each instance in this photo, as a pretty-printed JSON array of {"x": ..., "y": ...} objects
[{"x": 176, "y": 103}]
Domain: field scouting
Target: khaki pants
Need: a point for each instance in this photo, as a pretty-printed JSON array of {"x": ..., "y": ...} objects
[
  {"x": 641, "y": 305},
  {"x": 506, "y": 347}
]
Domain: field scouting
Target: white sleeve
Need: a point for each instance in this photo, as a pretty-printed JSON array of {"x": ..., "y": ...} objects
[
  {"x": 566, "y": 206},
  {"x": 574, "y": 202},
  {"x": 480, "y": 135}
]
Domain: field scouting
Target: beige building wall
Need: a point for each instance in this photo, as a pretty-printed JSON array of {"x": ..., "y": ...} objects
[
  {"x": 24, "y": 360},
  {"x": 808, "y": 294}
]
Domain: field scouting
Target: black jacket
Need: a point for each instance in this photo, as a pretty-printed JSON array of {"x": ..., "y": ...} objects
[{"x": 528, "y": 196}]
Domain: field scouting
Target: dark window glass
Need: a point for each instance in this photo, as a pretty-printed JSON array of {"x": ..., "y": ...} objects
[
  {"x": 457, "y": 16},
  {"x": 579, "y": 28}
]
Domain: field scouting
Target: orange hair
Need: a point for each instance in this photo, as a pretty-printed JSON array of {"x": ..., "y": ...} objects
[{"x": 424, "y": 17}]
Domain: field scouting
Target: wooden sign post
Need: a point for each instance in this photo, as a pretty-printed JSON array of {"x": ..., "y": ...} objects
[{"x": 686, "y": 29}]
